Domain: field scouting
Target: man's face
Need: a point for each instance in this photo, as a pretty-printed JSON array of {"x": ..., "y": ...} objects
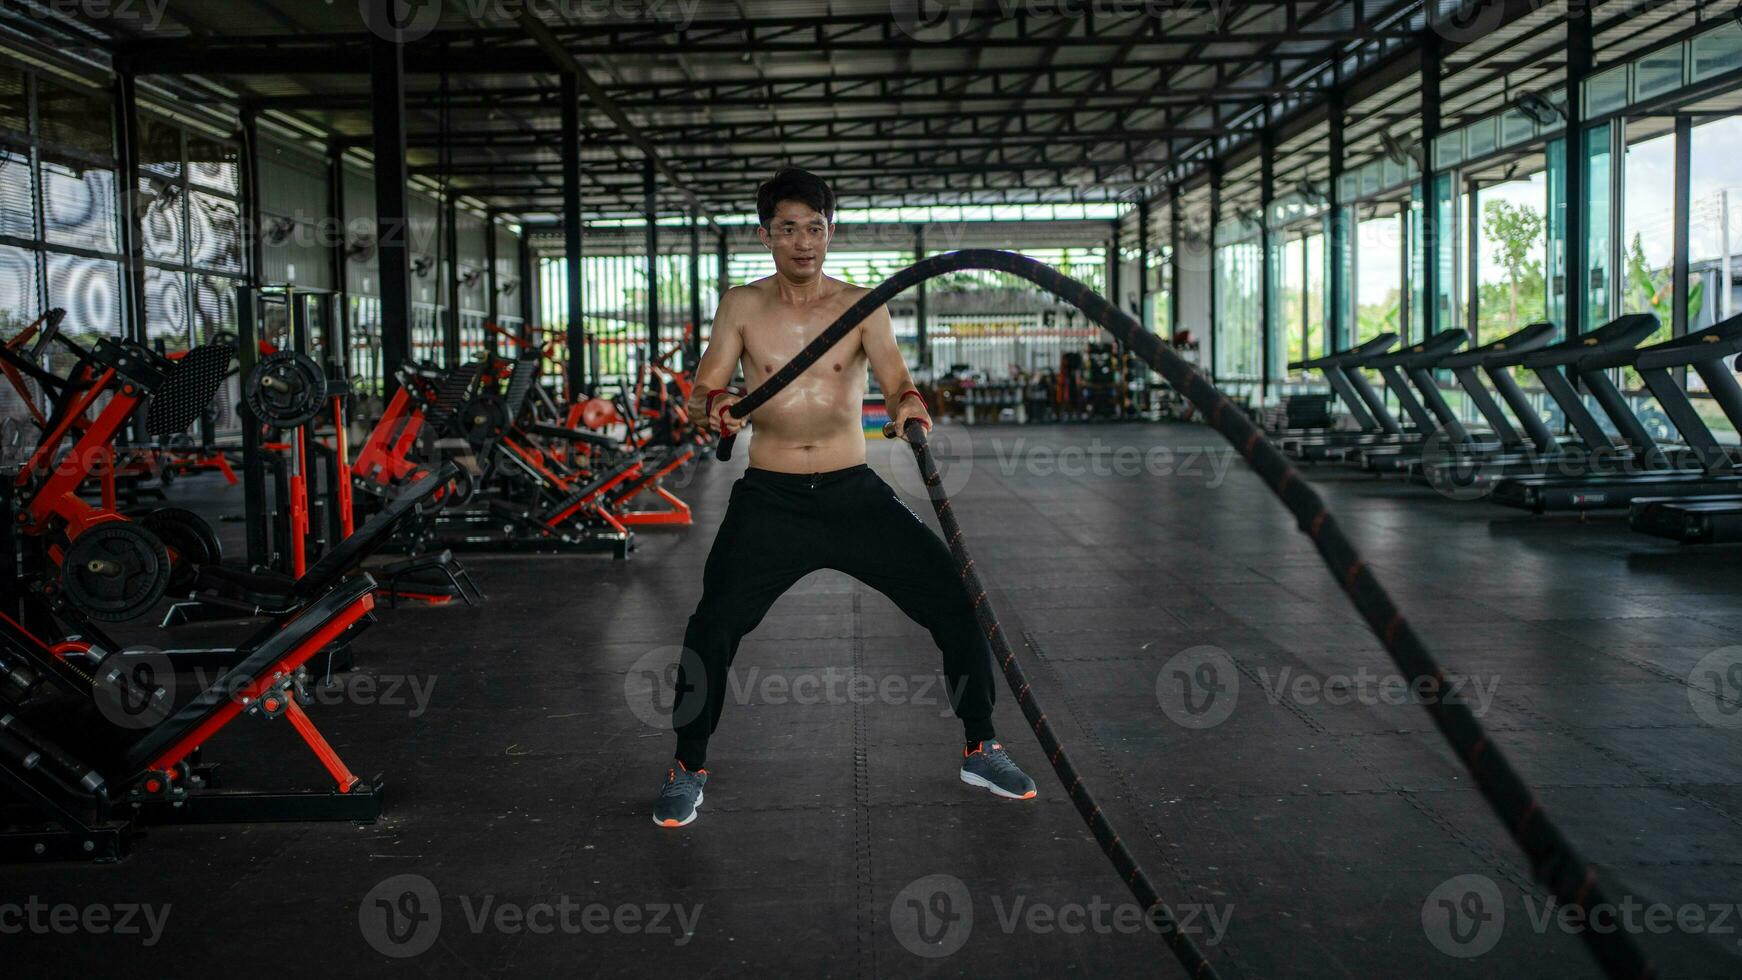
[{"x": 799, "y": 238}]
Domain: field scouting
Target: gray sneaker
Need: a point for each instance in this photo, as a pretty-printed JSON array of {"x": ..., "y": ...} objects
[
  {"x": 989, "y": 766},
  {"x": 679, "y": 797}
]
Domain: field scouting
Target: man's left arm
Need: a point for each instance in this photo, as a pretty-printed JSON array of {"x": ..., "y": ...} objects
[{"x": 899, "y": 395}]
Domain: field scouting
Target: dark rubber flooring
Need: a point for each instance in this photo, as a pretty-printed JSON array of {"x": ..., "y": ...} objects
[{"x": 1318, "y": 829}]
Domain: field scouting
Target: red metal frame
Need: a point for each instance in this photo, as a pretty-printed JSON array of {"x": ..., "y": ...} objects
[{"x": 178, "y": 751}]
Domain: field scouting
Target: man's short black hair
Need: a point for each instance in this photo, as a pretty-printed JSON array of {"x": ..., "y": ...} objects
[{"x": 793, "y": 184}]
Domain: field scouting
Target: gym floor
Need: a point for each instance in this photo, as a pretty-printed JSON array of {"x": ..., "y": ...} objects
[{"x": 1300, "y": 833}]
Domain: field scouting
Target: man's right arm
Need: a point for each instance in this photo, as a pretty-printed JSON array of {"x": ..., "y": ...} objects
[{"x": 720, "y": 361}]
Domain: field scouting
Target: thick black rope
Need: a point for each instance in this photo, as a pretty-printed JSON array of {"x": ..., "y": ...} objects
[
  {"x": 1554, "y": 861},
  {"x": 1124, "y": 862}
]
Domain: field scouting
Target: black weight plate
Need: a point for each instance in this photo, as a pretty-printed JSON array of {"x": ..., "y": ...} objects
[
  {"x": 285, "y": 389},
  {"x": 115, "y": 571},
  {"x": 482, "y": 417},
  {"x": 190, "y": 540}
]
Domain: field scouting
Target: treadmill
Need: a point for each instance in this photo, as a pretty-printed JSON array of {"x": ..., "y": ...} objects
[
  {"x": 1418, "y": 363},
  {"x": 1652, "y": 474},
  {"x": 1470, "y": 464},
  {"x": 1591, "y": 447},
  {"x": 1706, "y": 518},
  {"x": 1342, "y": 371}
]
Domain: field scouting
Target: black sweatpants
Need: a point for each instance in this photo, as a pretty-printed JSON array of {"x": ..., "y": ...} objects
[{"x": 780, "y": 527}]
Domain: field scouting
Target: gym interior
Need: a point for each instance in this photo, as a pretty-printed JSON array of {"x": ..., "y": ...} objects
[{"x": 1331, "y": 415}]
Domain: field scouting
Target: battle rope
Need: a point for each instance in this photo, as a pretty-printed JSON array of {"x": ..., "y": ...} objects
[{"x": 1553, "y": 859}]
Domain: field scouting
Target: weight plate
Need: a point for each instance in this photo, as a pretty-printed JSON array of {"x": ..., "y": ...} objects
[
  {"x": 190, "y": 540},
  {"x": 285, "y": 389},
  {"x": 115, "y": 571},
  {"x": 483, "y": 417}
]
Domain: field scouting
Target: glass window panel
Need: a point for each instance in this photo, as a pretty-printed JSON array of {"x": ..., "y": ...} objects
[
  {"x": 1378, "y": 277},
  {"x": 214, "y": 233},
  {"x": 89, "y": 290},
  {"x": 1714, "y": 224},
  {"x": 1556, "y": 255},
  {"x": 1657, "y": 73},
  {"x": 1600, "y": 279},
  {"x": 1479, "y": 138},
  {"x": 78, "y": 206},
  {"x": 20, "y": 301},
  {"x": 1449, "y": 149},
  {"x": 17, "y": 207},
  {"x": 1515, "y": 127},
  {"x": 1510, "y": 251},
  {"x": 1648, "y": 227},
  {"x": 213, "y": 306},
  {"x": 166, "y": 303},
  {"x": 212, "y": 163},
  {"x": 1294, "y": 289},
  {"x": 75, "y": 118},
  {"x": 160, "y": 220},
  {"x": 159, "y": 147},
  {"x": 1717, "y": 52},
  {"x": 1714, "y": 237},
  {"x": 14, "y": 106},
  {"x": 1606, "y": 92},
  {"x": 19, "y": 305}
]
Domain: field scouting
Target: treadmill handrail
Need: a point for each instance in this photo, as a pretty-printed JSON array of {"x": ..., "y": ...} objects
[
  {"x": 1424, "y": 354},
  {"x": 1521, "y": 341},
  {"x": 1716, "y": 341},
  {"x": 1622, "y": 333},
  {"x": 1348, "y": 355}
]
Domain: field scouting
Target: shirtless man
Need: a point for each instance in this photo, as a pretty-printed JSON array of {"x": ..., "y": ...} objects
[{"x": 809, "y": 501}]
